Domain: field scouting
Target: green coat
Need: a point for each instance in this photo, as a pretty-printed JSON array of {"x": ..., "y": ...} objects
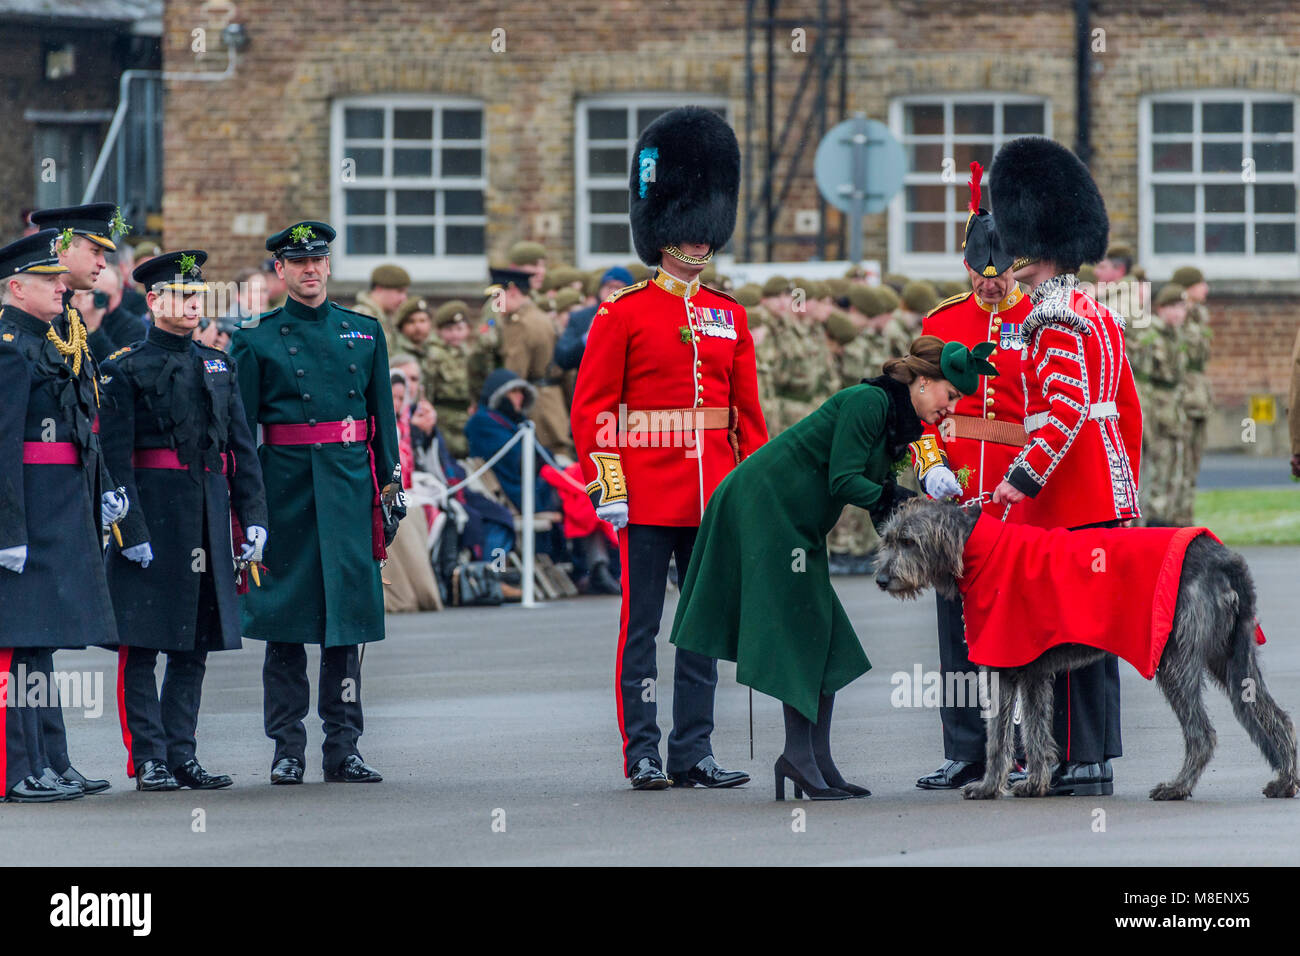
[
  {"x": 758, "y": 589},
  {"x": 297, "y": 364}
]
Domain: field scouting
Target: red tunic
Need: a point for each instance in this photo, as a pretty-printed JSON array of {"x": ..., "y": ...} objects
[
  {"x": 1081, "y": 412},
  {"x": 967, "y": 320},
  {"x": 1114, "y": 589},
  {"x": 664, "y": 345}
]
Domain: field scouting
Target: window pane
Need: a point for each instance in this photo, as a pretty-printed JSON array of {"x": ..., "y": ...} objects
[
  {"x": 1225, "y": 237},
  {"x": 462, "y": 124},
  {"x": 462, "y": 162},
  {"x": 1275, "y": 237},
  {"x": 416, "y": 202},
  {"x": 1220, "y": 157},
  {"x": 1225, "y": 198},
  {"x": 610, "y": 237},
  {"x": 1272, "y": 117},
  {"x": 958, "y": 233},
  {"x": 415, "y": 240},
  {"x": 647, "y": 116},
  {"x": 964, "y": 153},
  {"x": 1171, "y": 117},
  {"x": 973, "y": 118},
  {"x": 1275, "y": 197},
  {"x": 926, "y": 236},
  {"x": 363, "y": 124},
  {"x": 923, "y": 120},
  {"x": 1221, "y": 117},
  {"x": 1171, "y": 157},
  {"x": 606, "y": 124},
  {"x": 925, "y": 158},
  {"x": 607, "y": 162},
  {"x": 926, "y": 198},
  {"x": 608, "y": 200},
  {"x": 1175, "y": 198},
  {"x": 464, "y": 241},
  {"x": 412, "y": 162},
  {"x": 1273, "y": 157},
  {"x": 412, "y": 124},
  {"x": 369, "y": 162},
  {"x": 367, "y": 240},
  {"x": 365, "y": 202},
  {"x": 1175, "y": 237},
  {"x": 463, "y": 202},
  {"x": 1019, "y": 119}
]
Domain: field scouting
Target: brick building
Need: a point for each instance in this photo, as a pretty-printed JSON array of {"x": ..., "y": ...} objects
[{"x": 446, "y": 132}]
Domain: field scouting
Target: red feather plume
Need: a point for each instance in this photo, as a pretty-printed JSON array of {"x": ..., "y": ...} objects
[{"x": 976, "y": 174}]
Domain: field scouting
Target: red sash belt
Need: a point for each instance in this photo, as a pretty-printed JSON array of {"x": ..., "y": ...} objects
[
  {"x": 51, "y": 453},
  {"x": 322, "y": 433},
  {"x": 164, "y": 458}
]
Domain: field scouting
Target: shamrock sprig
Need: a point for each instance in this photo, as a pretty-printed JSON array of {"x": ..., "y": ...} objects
[
  {"x": 963, "y": 476},
  {"x": 118, "y": 227},
  {"x": 687, "y": 335},
  {"x": 65, "y": 239},
  {"x": 186, "y": 264},
  {"x": 302, "y": 233}
]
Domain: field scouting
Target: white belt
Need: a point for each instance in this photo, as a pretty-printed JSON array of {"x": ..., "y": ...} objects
[{"x": 1096, "y": 410}]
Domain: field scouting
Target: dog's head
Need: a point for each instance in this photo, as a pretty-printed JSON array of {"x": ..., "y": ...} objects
[{"x": 921, "y": 547}]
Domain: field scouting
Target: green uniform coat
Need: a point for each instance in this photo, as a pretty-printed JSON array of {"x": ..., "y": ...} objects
[
  {"x": 758, "y": 589},
  {"x": 297, "y": 364}
]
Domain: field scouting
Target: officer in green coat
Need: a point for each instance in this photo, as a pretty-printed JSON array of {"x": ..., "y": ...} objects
[
  {"x": 758, "y": 589},
  {"x": 314, "y": 376}
]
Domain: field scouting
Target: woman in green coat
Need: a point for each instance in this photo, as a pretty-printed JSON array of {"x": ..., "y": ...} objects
[{"x": 758, "y": 589}]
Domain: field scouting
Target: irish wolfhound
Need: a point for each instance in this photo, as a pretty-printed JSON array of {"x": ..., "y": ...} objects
[{"x": 1213, "y": 633}]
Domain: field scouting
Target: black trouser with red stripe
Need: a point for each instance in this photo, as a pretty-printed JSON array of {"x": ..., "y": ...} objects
[
  {"x": 21, "y": 730},
  {"x": 644, "y": 552},
  {"x": 162, "y": 726},
  {"x": 287, "y": 696}
]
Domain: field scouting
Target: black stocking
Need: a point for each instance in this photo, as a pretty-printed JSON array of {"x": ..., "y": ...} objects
[{"x": 799, "y": 751}]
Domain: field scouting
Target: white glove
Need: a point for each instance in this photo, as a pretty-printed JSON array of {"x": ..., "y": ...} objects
[
  {"x": 142, "y": 554},
  {"x": 615, "y": 514},
  {"x": 113, "y": 507},
  {"x": 940, "y": 482},
  {"x": 256, "y": 541},
  {"x": 14, "y": 559}
]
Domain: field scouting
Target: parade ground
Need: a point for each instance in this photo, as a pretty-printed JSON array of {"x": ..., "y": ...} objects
[{"x": 496, "y": 734}]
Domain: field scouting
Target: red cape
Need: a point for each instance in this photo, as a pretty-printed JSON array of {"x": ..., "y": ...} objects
[{"x": 1027, "y": 589}]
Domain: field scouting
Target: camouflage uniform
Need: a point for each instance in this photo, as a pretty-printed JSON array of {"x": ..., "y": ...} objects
[
  {"x": 447, "y": 374},
  {"x": 1196, "y": 400},
  {"x": 853, "y": 535},
  {"x": 1159, "y": 367}
]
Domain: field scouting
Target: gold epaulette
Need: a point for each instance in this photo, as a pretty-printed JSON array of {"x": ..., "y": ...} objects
[
  {"x": 619, "y": 293},
  {"x": 951, "y": 300},
  {"x": 122, "y": 351}
]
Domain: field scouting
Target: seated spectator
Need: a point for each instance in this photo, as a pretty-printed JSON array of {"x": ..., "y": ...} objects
[{"x": 409, "y": 584}]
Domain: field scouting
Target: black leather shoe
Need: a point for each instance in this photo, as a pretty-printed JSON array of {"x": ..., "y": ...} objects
[
  {"x": 31, "y": 790},
  {"x": 601, "y": 581},
  {"x": 353, "y": 770},
  {"x": 154, "y": 775},
  {"x": 191, "y": 774},
  {"x": 952, "y": 775},
  {"x": 1076, "y": 780},
  {"x": 707, "y": 773},
  {"x": 287, "y": 770},
  {"x": 90, "y": 787},
  {"x": 70, "y": 790},
  {"x": 648, "y": 775}
]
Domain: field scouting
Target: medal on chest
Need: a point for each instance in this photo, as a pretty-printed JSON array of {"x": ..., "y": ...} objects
[
  {"x": 1012, "y": 338},
  {"x": 718, "y": 323}
]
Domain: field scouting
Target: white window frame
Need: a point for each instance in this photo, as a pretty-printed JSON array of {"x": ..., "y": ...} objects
[
  {"x": 932, "y": 265},
  {"x": 422, "y": 268},
  {"x": 1216, "y": 266},
  {"x": 583, "y": 181}
]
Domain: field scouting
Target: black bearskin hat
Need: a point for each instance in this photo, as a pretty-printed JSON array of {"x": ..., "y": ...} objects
[
  {"x": 984, "y": 252},
  {"x": 685, "y": 181},
  {"x": 1047, "y": 204}
]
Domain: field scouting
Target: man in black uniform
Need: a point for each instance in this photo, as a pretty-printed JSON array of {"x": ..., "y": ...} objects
[
  {"x": 52, "y": 587},
  {"x": 86, "y": 233},
  {"x": 175, "y": 432}
]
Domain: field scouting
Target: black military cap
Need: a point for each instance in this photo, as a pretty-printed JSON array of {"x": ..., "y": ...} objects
[
  {"x": 503, "y": 277},
  {"x": 983, "y": 250},
  {"x": 302, "y": 240},
  {"x": 178, "y": 271},
  {"x": 97, "y": 221},
  {"x": 37, "y": 253}
]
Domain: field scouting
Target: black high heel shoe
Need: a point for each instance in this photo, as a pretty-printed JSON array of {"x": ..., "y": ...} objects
[
  {"x": 853, "y": 790},
  {"x": 785, "y": 770}
]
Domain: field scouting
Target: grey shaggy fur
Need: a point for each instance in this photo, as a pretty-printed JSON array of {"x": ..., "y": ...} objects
[{"x": 1213, "y": 634}]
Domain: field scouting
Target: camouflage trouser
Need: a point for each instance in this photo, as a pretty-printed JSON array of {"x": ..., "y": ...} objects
[
  {"x": 1190, "y": 447},
  {"x": 451, "y": 422},
  {"x": 787, "y": 412},
  {"x": 1161, "y": 486}
]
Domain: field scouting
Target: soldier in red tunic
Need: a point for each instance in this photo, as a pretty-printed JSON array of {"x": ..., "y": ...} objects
[
  {"x": 665, "y": 405},
  {"x": 1079, "y": 467},
  {"x": 977, "y": 443}
]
